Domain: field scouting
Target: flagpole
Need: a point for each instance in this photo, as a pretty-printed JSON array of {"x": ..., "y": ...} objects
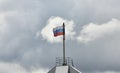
[{"x": 64, "y": 62}]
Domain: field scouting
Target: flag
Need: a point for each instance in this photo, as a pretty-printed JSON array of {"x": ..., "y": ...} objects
[{"x": 58, "y": 31}]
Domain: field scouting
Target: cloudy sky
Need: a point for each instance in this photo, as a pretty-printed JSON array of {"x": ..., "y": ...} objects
[{"x": 27, "y": 44}]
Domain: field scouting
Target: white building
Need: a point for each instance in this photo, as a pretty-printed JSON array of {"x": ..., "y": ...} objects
[{"x": 68, "y": 68}]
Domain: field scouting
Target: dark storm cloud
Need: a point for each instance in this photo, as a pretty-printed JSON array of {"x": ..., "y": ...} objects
[{"x": 22, "y": 19}]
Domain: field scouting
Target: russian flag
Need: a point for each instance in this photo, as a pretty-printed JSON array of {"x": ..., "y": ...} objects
[{"x": 58, "y": 31}]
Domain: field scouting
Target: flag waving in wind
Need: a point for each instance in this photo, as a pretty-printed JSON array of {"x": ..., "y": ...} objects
[{"x": 58, "y": 31}]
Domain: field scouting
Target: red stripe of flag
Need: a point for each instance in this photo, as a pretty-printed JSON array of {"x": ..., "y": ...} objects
[{"x": 59, "y": 33}]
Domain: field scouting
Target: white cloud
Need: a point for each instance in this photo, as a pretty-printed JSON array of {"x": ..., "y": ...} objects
[
  {"x": 108, "y": 72},
  {"x": 16, "y": 68},
  {"x": 2, "y": 1},
  {"x": 11, "y": 68},
  {"x": 93, "y": 31},
  {"x": 47, "y": 31},
  {"x": 2, "y": 23},
  {"x": 40, "y": 71}
]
